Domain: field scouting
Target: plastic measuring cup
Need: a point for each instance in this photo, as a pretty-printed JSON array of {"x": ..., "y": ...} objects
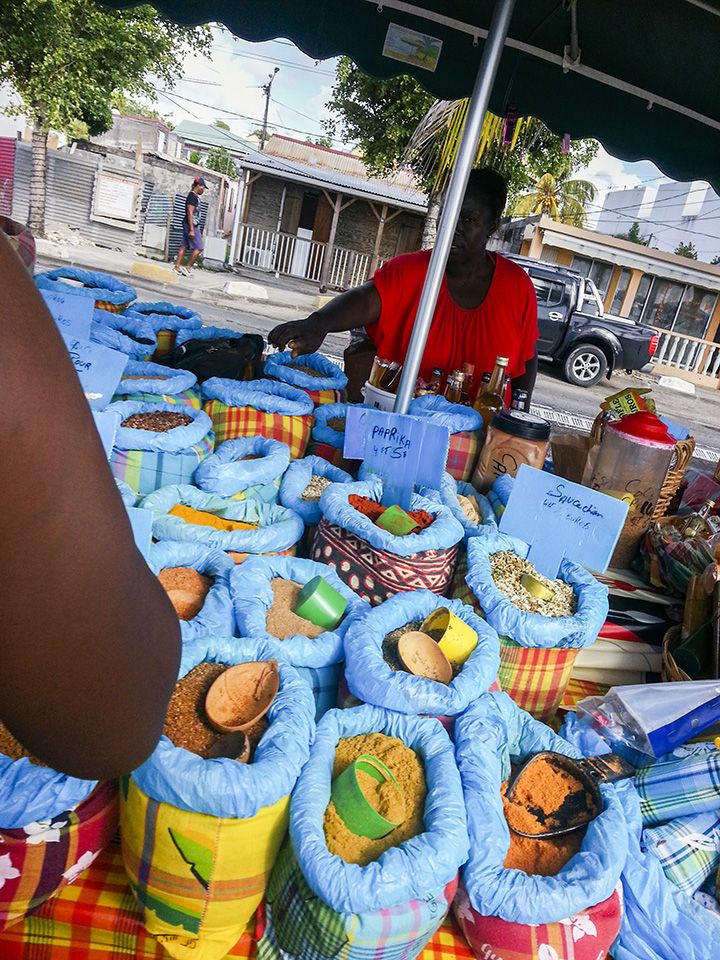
[
  {"x": 321, "y": 604},
  {"x": 351, "y": 804},
  {"x": 455, "y": 638}
]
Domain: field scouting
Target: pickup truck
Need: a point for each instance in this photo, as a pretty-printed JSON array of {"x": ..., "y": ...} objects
[{"x": 576, "y": 333}]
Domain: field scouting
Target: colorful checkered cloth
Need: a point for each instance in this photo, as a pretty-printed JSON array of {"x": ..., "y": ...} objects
[
  {"x": 679, "y": 788},
  {"x": 146, "y": 470},
  {"x": 687, "y": 848},
  {"x": 165, "y": 343},
  {"x": 463, "y": 454},
  {"x": 188, "y": 398},
  {"x": 320, "y": 397},
  {"x": 39, "y": 860},
  {"x": 377, "y": 574},
  {"x": 535, "y": 677},
  {"x": 232, "y": 422},
  {"x": 304, "y": 927},
  {"x": 333, "y": 455},
  {"x": 460, "y": 590}
]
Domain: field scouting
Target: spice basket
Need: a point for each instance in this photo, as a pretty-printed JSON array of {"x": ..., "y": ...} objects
[
  {"x": 670, "y": 670},
  {"x": 670, "y": 563}
]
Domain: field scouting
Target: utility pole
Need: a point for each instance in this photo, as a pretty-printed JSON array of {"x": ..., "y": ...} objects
[{"x": 266, "y": 90}]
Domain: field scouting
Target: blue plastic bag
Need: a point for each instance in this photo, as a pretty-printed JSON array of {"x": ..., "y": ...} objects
[
  {"x": 127, "y": 332},
  {"x": 216, "y": 616},
  {"x": 371, "y": 679},
  {"x": 499, "y": 494},
  {"x": 206, "y": 333},
  {"x": 534, "y": 629},
  {"x": 225, "y": 788},
  {"x": 412, "y": 871},
  {"x": 167, "y": 316},
  {"x": 317, "y": 660},
  {"x": 129, "y": 497},
  {"x": 321, "y": 432},
  {"x": 172, "y": 441},
  {"x": 455, "y": 416},
  {"x": 266, "y": 395},
  {"x": 443, "y": 533},
  {"x": 278, "y": 529},
  {"x": 225, "y": 472},
  {"x": 488, "y": 736},
  {"x": 173, "y": 381},
  {"x": 450, "y": 488},
  {"x": 102, "y": 287},
  {"x": 296, "y": 479},
  {"x": 281, "y": 367},
  {"x": 29, "y": 793}
]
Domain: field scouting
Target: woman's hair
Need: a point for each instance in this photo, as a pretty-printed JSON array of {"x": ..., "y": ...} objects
[{"x": 491, "y": 186}]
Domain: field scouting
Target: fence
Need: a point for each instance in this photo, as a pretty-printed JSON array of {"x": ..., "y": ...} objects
[{"x": 680, "y": 352}]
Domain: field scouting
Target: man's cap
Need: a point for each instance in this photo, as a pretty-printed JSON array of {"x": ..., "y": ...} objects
[{"x": 199, "y": 182}]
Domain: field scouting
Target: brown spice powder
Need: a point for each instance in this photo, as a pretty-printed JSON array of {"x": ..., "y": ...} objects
[
  {"x": 541, "y": 792},
  {"x": 383, "y": 797},
  {"x": 11, "y": 747},
  {"x": 281, "y": 621},
  {"x": 310, "y": 371},
  {"x": 185, "y": 722},
  {"x": 337, "y": 423},
  {"x": 542, "y": 858},
  {"x": 186, "y": 588},
  {"x": 158, "y": 421},
  {"x": 408, "y": 770}
]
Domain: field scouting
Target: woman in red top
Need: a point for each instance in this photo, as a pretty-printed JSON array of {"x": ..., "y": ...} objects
[{"x": 486, "y": 308}]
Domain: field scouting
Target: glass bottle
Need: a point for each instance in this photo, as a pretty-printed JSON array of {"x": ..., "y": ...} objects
[
  {"x": 519, "y": 400},
  {"x": 435, "y": 385},
  {"x": 701, "y": 523},
  {"x": 469, "y": 385},
  {"x": 393, "y": 381},
  {"x": 454, "y": 386},
  {"x": 490, "y": 397}
]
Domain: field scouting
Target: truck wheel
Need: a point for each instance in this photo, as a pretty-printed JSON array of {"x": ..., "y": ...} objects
[{"x": 585, "y": 365}]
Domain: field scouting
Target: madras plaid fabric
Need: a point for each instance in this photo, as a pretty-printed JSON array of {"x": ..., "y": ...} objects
[
  {"x": 578, "y": 690},
  {"x": 232, "y": 422},
  {"x": 319, "y": 397},
  {"x": 146, "y": 471},
  {"x": 38, "y": 860},
  {"x": 376, "y": 574},
  {"x": 535, "y": 678},
  {"x": 264, "y": 492},
  {"x": 165, "y": 343},
  {"x": 687, "y": 848},
  {"x": 587, "y": 935},
  {"x": 323, "y": 682},
  {"x": 300, "y": 924},
  {"x": 463, "y": 454},
  {"x": 198, "y": 879},
  {"x": 188, "y": 398},
  {"x": 679, "y": 788},
  {"x": 459, "y": 589}
]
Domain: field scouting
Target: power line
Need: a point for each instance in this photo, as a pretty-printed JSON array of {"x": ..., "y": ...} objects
[{"x": 272, "y": 60}]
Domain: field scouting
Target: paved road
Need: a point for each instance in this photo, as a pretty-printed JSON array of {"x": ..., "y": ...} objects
[{"x": 562, "y": 402}]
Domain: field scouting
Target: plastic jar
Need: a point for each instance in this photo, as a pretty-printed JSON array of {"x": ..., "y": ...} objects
[{"x": 513, "y": 437}]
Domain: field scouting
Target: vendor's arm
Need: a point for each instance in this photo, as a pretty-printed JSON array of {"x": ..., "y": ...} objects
[
  {"x": 89, "y": 642},
  {"x": 526, "y": 381},
  {"x": 359, "y": 307},
  {"x": 527, "y": 338}
]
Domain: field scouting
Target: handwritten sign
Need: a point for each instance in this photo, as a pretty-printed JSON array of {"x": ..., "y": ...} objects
[
  {"x": 99, "y": 369},
  {"x": 560, "y": 519},
  {"x": 107, "y": 423},
  {"x": 405, "y": 451},
  {"x": 72, "y": 314},
  {"x": 141, "y": 523}
]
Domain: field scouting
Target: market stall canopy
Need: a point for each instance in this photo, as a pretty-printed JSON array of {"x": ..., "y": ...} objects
[{"x": 641, "y": 76}]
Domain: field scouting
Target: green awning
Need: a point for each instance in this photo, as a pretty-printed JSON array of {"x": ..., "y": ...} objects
[{"x": 641, "y": 76}]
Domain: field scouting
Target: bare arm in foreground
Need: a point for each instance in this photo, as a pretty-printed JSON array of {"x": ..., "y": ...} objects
[{"x": 89, "y": 643}]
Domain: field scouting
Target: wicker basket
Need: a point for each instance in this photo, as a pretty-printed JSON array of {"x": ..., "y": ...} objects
[{"x": 670, "y": 670}]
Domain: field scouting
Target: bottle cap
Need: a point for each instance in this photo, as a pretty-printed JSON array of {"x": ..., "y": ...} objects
[{"x": 644, "y": 426}]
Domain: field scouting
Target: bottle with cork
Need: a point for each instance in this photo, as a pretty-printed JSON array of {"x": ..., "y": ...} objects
[{"x": 490, "y": 397}]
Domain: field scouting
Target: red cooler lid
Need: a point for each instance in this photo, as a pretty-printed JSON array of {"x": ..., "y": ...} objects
[{"x": 644, "y": 426}]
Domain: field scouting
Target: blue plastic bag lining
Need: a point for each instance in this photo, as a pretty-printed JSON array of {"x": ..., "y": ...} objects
[
  {"x": 226, "y": 788},
  {"x": 99, "y": 286},
  {"x": 206, "y": 333},
  {"x": 499, "y": 494},
  {"x": 278, "y": 530},
  {"x": 129, "y": 497},
  {"x": 225, "y": 473},
  {"x": 167, "y": 316},
  {"x": 298, "y": 476},
  {"x": 216, "y": 617},
  {"x": 278, "y": 365},
  {"x": 455, "y": 416},
  {"x": 29, "y": 793},
  {"x": 173, "y": 382},
  {"x": 411, "y": 871},
  {"x": 107, "y": 330},
  {"x": 267, "y": 395},
  {"x": 449, "y": 490},
  {"x": 487, "y": 737},
  {"x": 370, "y": 678},
  {"x": 533, "y": 629},
  {"x": 444, "y": 532},
  {"x": 657, "y": 916},
  {"x": 252, "y": 597},
  {"x": 321, "y": 432},
  {"x": 173, "y": 441}
]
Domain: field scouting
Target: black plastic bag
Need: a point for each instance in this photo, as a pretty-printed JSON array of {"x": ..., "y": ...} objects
[{"x": 236, "y": 358}]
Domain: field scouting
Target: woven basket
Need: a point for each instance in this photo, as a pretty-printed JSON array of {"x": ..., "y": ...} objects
[{"x": 670, "y": 670}]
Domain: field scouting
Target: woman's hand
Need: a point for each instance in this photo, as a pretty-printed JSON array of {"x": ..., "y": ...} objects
[{"x": 302, "y": 336}]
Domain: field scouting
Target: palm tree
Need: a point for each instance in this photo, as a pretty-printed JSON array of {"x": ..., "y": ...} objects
[{"x": 559, "y": 198}]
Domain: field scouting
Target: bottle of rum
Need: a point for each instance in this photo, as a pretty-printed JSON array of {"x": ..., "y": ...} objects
[
  {"x": 490, "y": 398},
  {"x": 435, "y": 384},
  {"x": 454, "y": 387}
]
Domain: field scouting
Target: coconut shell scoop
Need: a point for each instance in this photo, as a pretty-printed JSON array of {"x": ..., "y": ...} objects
[{"x": 580, "y": 783}]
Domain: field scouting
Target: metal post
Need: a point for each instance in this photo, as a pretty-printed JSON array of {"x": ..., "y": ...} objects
[
  {"x": 266, "y": 90},
  {"x": 467, "y": 152},
  {"x": 239, "y": 203}
]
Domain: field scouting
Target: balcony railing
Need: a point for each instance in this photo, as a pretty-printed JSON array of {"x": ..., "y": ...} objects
[{"x": 689, "y": 354}]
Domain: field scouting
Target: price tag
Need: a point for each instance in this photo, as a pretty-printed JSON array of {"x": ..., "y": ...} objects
[
  {"x": 405, "y": 451},
  {"x": 99, "y": 369},
  {"x": 72, "y": 314},
  {"x": 560, "y": 519},
  {"x": 141, "y": 523},
  {"x": 107, "y": 423}
]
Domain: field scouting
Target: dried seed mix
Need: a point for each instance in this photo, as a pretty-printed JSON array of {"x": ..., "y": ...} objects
[{"x": 507, "y": 571}]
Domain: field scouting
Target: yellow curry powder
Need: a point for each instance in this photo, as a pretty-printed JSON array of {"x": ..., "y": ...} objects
[
  {"x": 205, "y": 519},
  {"x": 408, "y": 771}
]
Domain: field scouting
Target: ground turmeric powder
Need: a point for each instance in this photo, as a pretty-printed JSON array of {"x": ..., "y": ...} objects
[{"x": 205, "y": 519}]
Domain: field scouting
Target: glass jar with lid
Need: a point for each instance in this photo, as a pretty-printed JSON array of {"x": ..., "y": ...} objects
[{"x": 513, "y": 438}]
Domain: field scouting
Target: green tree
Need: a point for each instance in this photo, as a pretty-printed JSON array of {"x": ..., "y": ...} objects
[
  {"x": 222, "y": 125},
  {"x": 194, "y": 156},
  {"x": 686, "y": 250},
  {"x": 634, "y": 235},
  {"x": 715, "y": 260},
  {"x": 219, "y": 159},
  {"x": 560, "y": 198},
  {"x": 66, "y": 59},
  {"x": 319, "y": 141},
  {"x": 134, "y": 108}
]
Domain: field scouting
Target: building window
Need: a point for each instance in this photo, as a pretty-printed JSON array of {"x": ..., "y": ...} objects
[
  {"x": 640, "y": 297},
  {"x": 583, "y": 265},
  {"x": 662, "y": 304},
  {"x": 620, "y": 291},
  {"x": 696, "y": 308},
  {"x": 548, "y": 294},
  {"x": 596, "y": 270}
]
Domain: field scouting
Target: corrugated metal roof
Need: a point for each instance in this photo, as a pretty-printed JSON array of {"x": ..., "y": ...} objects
[{"x": 206, "y": 135}]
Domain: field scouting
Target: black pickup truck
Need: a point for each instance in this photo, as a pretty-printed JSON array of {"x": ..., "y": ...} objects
[{"x": 575, "y": 332}]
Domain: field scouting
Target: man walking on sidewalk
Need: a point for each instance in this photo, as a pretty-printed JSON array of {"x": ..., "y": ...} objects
[{"x": 192, "y": 235}]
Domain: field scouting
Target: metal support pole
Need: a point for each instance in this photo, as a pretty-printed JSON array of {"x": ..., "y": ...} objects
[
  {"x": 467, "y": 152},
  {"x": 239, "y": 203}
]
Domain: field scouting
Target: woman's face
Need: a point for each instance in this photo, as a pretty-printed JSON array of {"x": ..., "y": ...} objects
[{"x": 475, "y": 225}]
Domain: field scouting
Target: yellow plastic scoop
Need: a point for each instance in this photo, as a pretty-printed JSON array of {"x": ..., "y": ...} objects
[{"x": 536, "y": 587}]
